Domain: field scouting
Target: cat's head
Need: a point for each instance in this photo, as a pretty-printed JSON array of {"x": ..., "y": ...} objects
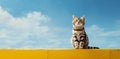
[{"x": 78, "y": 23}]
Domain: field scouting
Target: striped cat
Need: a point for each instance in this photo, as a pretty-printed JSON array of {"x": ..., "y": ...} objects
[{"x": 80, "y": 38}]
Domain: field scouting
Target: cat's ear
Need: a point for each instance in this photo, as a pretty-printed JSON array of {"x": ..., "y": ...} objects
[
  {"x": 74, "y": 17},
  {"x": 83, "y": 18}
]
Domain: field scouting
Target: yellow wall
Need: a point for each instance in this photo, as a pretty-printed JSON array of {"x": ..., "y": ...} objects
[{"x": 61, "y": 54}]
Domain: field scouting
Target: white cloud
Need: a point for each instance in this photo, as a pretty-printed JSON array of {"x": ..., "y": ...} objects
[
  {"x": 101, "y": 32},
  {"x": 99, "y": 37},
  {"x": 27, "y": 31}
]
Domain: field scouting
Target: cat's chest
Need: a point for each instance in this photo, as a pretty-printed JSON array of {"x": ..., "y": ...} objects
[{"x": 78, "y": 33}]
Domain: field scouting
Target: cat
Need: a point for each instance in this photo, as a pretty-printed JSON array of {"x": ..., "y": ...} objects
[{"x": 80, "y": 38}]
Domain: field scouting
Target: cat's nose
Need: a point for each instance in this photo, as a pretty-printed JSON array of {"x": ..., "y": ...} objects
[{"x": 78, "y": 22}]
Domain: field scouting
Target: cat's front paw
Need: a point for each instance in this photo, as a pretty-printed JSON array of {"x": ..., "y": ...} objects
[{"x": 76, "y": 45}]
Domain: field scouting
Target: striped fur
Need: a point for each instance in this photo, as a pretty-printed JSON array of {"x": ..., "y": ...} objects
[{"x": 80, "y": 39}]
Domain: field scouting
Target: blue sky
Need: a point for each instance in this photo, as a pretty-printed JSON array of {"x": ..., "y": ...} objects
[{"x": 48, "y": 23}]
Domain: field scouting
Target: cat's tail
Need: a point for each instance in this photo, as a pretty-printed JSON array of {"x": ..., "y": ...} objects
[{"x": 89, "y": 47}]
